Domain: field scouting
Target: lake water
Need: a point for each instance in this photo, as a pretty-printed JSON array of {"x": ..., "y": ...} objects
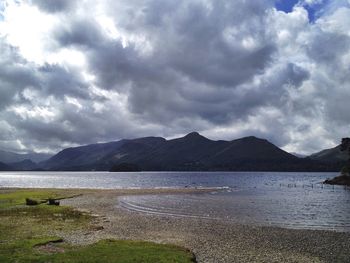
[{"x": 292, "y": 200}]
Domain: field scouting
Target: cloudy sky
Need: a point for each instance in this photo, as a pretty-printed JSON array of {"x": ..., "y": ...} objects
[{"x": 77, "y": 72}]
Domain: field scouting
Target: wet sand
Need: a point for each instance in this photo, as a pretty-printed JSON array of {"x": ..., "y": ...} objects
[{"x": 210, "y": 240}]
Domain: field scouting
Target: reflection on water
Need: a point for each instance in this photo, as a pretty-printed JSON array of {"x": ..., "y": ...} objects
[{"x": 295, "y": 200}]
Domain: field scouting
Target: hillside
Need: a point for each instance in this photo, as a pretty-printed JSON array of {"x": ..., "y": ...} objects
[
  {"x": 82, "y": 157},
  {"x": 333, "y": 155}
]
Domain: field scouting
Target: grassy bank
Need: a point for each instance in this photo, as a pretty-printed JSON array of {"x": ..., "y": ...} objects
[{"x": 31, "y": 234}]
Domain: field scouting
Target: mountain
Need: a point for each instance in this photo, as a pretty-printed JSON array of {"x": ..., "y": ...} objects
[
  {"x": 192, "y": 152},
  {"x": 10, "y": 157},
  {"x": 4, "y": 167},
  {"x": 100, "y": 156},
  {"x": 333, "y": 155},
  {"x": 25, "y": 165},
  {"x": 76, "y": 158}
]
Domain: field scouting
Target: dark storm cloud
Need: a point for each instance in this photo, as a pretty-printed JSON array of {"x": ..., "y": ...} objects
[
  {"x": 328, "y": 47},
  {"x": 200, "y": 44},
  {"x": 79, "y": 32},
  {"x": 112, "y": 63},
  {"x": 59, "y": 81},
  {"x": 14, "y": 75},
  {"x": 193, "y": 46},
  {"x": 54, "y": 6}
]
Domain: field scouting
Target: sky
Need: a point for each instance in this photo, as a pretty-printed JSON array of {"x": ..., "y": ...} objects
[{"x": 78, "y": 72}]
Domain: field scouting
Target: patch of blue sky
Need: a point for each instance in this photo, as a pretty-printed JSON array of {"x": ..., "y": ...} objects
[
  {"x": 315, "y": 9},
  {"x": 286, "y": 5},
  {"x": 2, "y": 9}
]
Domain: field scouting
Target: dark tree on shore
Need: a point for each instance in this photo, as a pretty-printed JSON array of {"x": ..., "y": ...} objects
[
  {"x": 344, "y": 178},
  {"x": 345, "y": 146}
]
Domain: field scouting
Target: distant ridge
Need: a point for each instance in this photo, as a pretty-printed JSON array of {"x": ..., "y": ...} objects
[
  {"x": 11, "y": 157},
  {"x": 4, "y": 167},
  {"x": 192, "y": 152},
  {"x": 25, "y": 165}
]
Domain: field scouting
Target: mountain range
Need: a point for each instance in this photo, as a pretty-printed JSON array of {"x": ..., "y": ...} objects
[
  {"x": 10, "y": 157},
  {"x": 192, "y": 152}
]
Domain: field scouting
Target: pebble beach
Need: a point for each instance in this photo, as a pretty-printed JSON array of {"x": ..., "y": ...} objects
[{"x": 210, "y": 240}]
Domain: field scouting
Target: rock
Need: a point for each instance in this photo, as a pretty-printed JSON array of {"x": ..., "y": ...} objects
[
  {"x": 52, "y": 201},
  {"x": 339, "y": 180},
  {"x": 31, "y": 201},
  {"x": 98, "y": 228}
]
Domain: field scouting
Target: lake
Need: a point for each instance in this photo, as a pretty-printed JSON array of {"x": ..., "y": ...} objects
[{"x": 292, "y": 200}]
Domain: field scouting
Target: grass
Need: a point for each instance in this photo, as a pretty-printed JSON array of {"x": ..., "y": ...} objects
[
  {"x": 12, "y": 198},
  {"x": 28, "y": 234}
]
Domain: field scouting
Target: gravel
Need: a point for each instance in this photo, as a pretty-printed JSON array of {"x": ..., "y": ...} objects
[{"x": 210, "y": 240}]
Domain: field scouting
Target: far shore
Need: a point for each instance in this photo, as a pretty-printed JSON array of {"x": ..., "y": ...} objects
[{"x": 210, "y": 240}]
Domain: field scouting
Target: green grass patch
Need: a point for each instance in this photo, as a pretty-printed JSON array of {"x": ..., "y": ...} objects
[
  {"x": 113, "y": 251},
  {"x": 10, "y": 198},
  {"x": 17, "y": 197},
  {"x": 125, "y": 252},
  {"x": 26, "y": 235},
  {"x": 23, "y": 250},
  {"x": 19, "y": 221}
]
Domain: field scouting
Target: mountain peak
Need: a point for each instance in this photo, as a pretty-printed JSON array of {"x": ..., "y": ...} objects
[
  {"x": 251, "y": 138},
  {"x": 194, "y": 135}
]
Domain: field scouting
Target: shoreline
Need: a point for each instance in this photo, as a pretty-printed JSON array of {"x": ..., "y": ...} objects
[
  {"x": 120, "y": 191},
  {"x": 211, "y": 240},
  {"x": 340, "y": 180}
]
